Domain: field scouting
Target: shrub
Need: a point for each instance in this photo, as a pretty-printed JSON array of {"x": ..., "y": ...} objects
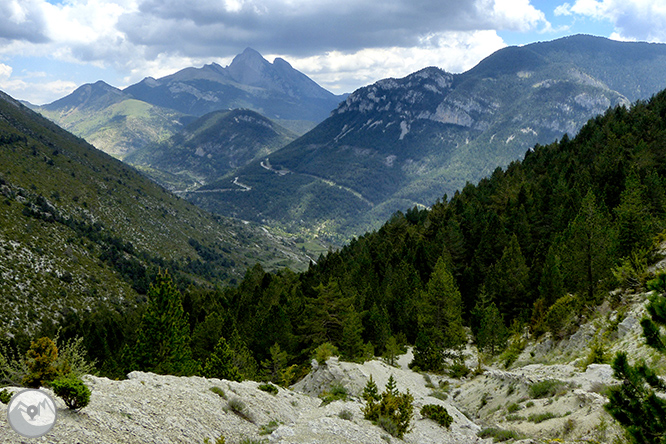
[
  {"x": 41, "y": 359},
  {"x": 513, "y": 408},
  {"x": 336, "y": 392},
  {"x": 658, "y": 284},
  {"x": 547, "y": 388},
  {"x": 5, "y": 396},
  {"x": 269, "y": 428},
  {"x": 498, "y": 435},
  {"x": 72, "y": 359},
  {"x": 325, "y": 351},
  {"x": 269, "y": 388},
  {"x": 346, "y": 414},
  {"x": 219, "y": 392},
  {"x": 438, "y": 414},
  {"x": 541, "y": 417},
  {"x": 392, "y": 406},
  {"x": 237, "y": 406},
  {"x": 72, "y": 390}
]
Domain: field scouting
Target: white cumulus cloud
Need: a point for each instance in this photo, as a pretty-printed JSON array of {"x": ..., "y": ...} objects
[{"x": 632, "y": 19}]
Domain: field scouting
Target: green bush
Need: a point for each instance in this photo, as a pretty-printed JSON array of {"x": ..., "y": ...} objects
[
  {"x": 658, "y": 284},
  {"x": 513, "y": 408},
  {"x": 325, "y": 351},
  {"x": 547, "y": 388},
  {"x": 72, "y": 390},
  {"x": 237, "y": 406},
  {"x": 437, "y": 413},
  {"x": 541, "y": 417},
  {"x": 335, "y": 393},
  {"x": 269, "y": 428},
  {"x": 498, "y": 435},
  {"x": 5, "y": 396},
  {"x": 346, "y": 414},
  {"x": 269, "y": 388},
  {"x": 219, "y": 392}
]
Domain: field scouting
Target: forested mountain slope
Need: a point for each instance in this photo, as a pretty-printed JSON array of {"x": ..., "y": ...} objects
[
  {"x": 405, "y": 142},
  {"x": 530, "y": 246},
  {"x": 80, "y": 230}
]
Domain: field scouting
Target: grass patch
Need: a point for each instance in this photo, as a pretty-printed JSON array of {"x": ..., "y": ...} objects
[
  {"x": 547, "y": 388},
  {"x": 513, "y": 407},
  {"x": 269, "y": 428},
  {"x": 219, "y": 392},
  {"x": 335, "y": 393},
  {"x": 498, "y": 435},
  {"x": 541, "y": 417}
]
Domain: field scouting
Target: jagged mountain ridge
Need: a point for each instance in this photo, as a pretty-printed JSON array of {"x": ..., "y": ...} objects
[
  {"x": 275, "y": 90},
  {"x": 121, "y": 121},
  {"x": 211, "y": 147},
  {"x": 81, "y": 230},
  {"x": 405, "y": 142}
]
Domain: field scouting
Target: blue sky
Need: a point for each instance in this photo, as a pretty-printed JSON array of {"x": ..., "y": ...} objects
[{"x": 49, "y": 48}]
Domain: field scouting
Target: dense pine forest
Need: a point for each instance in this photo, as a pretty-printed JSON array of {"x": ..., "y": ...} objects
[{"x": 529, "y": 247}]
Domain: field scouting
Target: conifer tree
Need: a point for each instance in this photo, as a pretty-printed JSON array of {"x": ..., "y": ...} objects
[
  {"x": 440, "y": 319},
  {"x": 163, "y": 338},
  {"x": 589, "y": 248},
  {"x": 551, "y": 285},
  {"x": 220, "y": 364},
  {"x": 639, "y": 403},
  {"x": 508, "y": 280}
]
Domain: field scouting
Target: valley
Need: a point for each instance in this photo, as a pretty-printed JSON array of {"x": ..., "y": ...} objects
[{"x": 485, "y": 250}]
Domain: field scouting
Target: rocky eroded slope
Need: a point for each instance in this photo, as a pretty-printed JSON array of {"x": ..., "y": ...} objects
[{"x": 148, "y": 408}]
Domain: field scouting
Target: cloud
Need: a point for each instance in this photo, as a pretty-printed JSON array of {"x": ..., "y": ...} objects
[
  {"x": 25, "y": 89},
  {"x": 632, "y": 19},
  {"x": 452, "y": 51},
  {"x": 22, "y": 20},
  {"x": 306, "y": 27},
  {"x": 343, "y": 44}
]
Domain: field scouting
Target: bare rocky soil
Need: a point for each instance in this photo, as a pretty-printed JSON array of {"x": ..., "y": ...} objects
[{"x": 148, "y": 408}]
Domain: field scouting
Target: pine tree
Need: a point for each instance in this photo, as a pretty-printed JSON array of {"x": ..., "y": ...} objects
[
  {"x": 551, "y": 285},
  {"x": 440, "y": 319},
  {"x": 492, "y": 335},
  {"x": 163, "y": 338},
  {"x": 220, "y": 364},
  {"x": 638, "y": 403},
  {"x": 508, "y": 281},
  {"x": 589, "y": 248}
]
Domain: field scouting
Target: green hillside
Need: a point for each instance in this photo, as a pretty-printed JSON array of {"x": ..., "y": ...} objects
[
  {"x": 111, "y": 120},
  {"x": 210, "y": 147},
  {"x": 79, "y": 229}
]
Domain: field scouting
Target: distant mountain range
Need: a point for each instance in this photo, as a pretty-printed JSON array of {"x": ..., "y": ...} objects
[
  {"x": 121, "y": 121},
  {"x": 80, "y": 230},
  {"x": 406, "y": 142}
]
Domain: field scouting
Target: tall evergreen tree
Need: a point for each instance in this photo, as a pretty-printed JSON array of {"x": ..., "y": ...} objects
[
  {"x": 163, "y": 339},
  {"x": 589, "y": 248},
  {"x": 220, "y": 363},
  {"x": 440, "y": 319},
  {"x": 508, "y": 281}
]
